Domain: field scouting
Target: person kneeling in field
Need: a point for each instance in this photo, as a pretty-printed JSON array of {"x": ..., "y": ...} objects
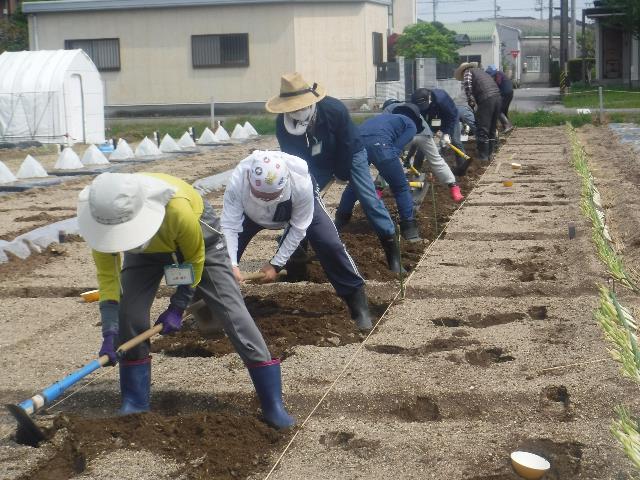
[
  {"x": 274, "y": 190},
  {"x": 165, "y": 228}
]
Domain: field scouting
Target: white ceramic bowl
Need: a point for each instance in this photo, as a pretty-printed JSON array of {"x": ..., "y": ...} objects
[{"x": 529, "y": 465}]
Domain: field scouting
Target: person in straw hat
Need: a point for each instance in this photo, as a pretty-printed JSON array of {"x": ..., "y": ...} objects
[
  {"x": 318, "y": 129},
  {"x": 159, "y": 225},
  {"x": 483, "y": 96}
]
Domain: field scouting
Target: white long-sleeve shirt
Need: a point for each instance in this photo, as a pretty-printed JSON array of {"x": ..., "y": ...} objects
[{"x": 239, "y": 203}]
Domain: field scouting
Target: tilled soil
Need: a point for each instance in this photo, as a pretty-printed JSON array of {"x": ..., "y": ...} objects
[{"x": 493, "y": 349}]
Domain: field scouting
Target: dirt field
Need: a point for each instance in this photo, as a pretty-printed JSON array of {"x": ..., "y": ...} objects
[{"x": 493, "y": 348}]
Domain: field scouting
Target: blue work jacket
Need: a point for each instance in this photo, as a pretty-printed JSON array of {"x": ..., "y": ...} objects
[
  {"x": 330, "y": 143},
  {"x": 388, "y": 129},
  {"x": 441, "y": 107}
]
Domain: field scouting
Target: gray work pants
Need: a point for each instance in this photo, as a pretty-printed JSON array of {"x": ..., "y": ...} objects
[
  {"x": 425, "y": 144},
  {"x": 140, "y": 278}
]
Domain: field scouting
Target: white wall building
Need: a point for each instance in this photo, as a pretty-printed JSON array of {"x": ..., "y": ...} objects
[{"x": 183, "y": 53}]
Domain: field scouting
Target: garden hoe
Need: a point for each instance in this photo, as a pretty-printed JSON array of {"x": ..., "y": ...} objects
[{"x": 28, "y": 432}]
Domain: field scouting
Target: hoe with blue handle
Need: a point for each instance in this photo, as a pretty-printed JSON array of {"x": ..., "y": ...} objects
[{"x": 28, "y": 432}]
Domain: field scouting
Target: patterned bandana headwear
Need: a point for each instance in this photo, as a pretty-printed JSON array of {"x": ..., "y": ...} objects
[{"x": 268, "y": 175}]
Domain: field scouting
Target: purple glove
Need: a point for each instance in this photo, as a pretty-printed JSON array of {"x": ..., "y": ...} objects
[
  {"x": 171, "y": 320},
  {"x": 108, "y": 348}
]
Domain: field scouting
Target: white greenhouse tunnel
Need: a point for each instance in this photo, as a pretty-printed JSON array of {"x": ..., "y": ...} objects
[{"x": 50, "y": 96}]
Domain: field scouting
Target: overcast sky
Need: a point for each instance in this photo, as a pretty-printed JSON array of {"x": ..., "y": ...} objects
[{"x": 448, "y": 11}]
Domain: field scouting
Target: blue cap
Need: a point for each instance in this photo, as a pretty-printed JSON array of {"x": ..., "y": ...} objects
[{"x": 492, "y": 70}]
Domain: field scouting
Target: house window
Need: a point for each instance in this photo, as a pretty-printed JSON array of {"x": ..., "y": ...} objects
[
  {"x": 378, "y": 53},
  {"x": 471, "y": 58},
  {"x": 229, "y": 50},
  {"x": 533, "y": 64},
  {"x": 105, "y": 52}
]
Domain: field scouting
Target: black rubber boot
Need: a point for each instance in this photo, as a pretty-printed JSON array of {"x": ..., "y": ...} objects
[
  {"x": 506, "y": 123},
  {"x": 483, "y": 151},
  {"x": 392, "y": 252},
  {"x": 359, "y": 309},
  {"x": 341, "y": 220},
  {"x": 409, "y": 230}
]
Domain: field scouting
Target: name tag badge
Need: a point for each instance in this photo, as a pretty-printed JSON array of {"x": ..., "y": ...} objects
[
  {"x": 316, "y": 149},
  {"x": 436, "y": 122},
  {"x": 179, "y": 274}
]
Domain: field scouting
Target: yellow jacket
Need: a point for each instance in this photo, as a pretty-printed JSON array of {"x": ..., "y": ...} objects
[{"x": 180, "y": 230}]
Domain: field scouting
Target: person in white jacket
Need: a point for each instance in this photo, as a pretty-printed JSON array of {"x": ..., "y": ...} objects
[{"x": 274, "y": 190}]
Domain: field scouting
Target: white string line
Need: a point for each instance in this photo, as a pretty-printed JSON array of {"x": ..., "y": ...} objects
[{"x": 364, "y": 342}]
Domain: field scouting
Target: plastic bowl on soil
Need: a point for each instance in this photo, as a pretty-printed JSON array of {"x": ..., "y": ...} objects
[
  {"x": 91, "y": 296},
  {"x": 529, "y": 465}
]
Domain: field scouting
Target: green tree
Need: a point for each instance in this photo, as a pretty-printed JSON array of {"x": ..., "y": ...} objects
[
  {"x": 428, "y": 40},
  {"x": 588, "y": 42},
  {"x": 630, "y": 19}
]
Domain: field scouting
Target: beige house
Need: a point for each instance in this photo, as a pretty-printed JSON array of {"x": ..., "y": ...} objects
[
  {"x": 180, "y": 54},
  {"x": 404, "y": 13}
]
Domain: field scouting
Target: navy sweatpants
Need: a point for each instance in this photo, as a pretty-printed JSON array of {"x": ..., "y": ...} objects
[{"x": 323, "y": 236}]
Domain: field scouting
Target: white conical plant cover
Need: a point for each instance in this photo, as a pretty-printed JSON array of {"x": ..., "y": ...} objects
[
  {"x": 168, "y": 144},
  {"x": 207, "y": 137},
  {"x": 93, "y": 156},
  {"x": 68, "y": 160},
  {"x": 239, "y": 133},
  {"x": 222, "y": 134},
  {"x": 249, "y": 129},
  {"x": 122, "y": 152},
  {"x": 31, "y": 168},
  {"x": 5, "y": 174},
  {"x": 147, "y": 148},
  {"x": 186, "y": 141}
]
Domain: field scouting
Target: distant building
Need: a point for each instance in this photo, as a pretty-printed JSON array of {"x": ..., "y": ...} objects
[
  {"x": 484, "y": 38},
  {"x": 403, "y": 14},
  {"x": 178, "y": 55},
  {"x": 617, "y": 50}
]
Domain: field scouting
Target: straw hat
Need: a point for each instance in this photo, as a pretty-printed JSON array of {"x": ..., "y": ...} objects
[
  {"x": 460, "y": 70},
  {"x": 295, "y": 93},
  {"x": 121, "y": 211}
]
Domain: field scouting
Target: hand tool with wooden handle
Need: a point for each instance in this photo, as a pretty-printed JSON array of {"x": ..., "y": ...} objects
[{"x": 28, "y": 432}]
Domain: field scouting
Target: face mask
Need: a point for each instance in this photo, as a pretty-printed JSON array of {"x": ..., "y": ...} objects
[
  {"x": 303, "y": 115},
  {"x": 297, "y": 122}
]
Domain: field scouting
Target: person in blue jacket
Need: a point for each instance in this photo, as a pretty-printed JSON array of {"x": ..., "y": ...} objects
[
  {"x": 441, "y": 114},
  {"x": 385, "y": 137},
  {"x": 318, "y": 129}
]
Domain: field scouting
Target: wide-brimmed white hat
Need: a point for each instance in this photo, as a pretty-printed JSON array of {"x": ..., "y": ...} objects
[
  {"x": 295, "y": 94},
  {"x": 121, "y": 211},
  {"x": 463, "y": 66}
]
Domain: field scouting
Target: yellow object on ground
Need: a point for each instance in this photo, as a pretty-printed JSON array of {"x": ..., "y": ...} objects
[
  {"x": 91, "y": 296},
  {"x": 508, "y": 183}
]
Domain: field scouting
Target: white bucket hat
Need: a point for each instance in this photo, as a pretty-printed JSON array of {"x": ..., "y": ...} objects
[{"x": 121, "y": 211}]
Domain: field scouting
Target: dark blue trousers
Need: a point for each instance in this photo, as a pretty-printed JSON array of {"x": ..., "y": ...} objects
[{"x": 323, "y": 236}]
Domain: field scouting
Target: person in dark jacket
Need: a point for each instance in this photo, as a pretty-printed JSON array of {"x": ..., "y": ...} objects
[
  {"x": 484, "y": 97},
  {"x": 385, "y": 136},
  {"x": 506, "y": 92},
  {"x": 318, "y": 129},
  {"x": 441, "y": 114}
]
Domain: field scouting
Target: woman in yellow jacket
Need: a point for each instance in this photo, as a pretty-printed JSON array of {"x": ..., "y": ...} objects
[{"x": 146, "y": 226}]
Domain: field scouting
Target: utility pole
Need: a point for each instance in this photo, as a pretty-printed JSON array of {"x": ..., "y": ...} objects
[
  {"x": 550, "y": 38},
  {"x": 564, "y": 41},
  {"x": 495, "y": 9},
  {"x": 435, "y": 3},
  {"x": 573, "y": 51}
]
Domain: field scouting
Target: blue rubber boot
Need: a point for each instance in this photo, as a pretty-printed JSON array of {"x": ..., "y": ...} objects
[
  {"x": 135, "y": 385},
  {"x": 268, "y": 383}
]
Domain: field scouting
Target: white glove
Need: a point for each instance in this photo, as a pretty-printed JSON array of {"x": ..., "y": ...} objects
[{"x": 446, "y": 139}]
